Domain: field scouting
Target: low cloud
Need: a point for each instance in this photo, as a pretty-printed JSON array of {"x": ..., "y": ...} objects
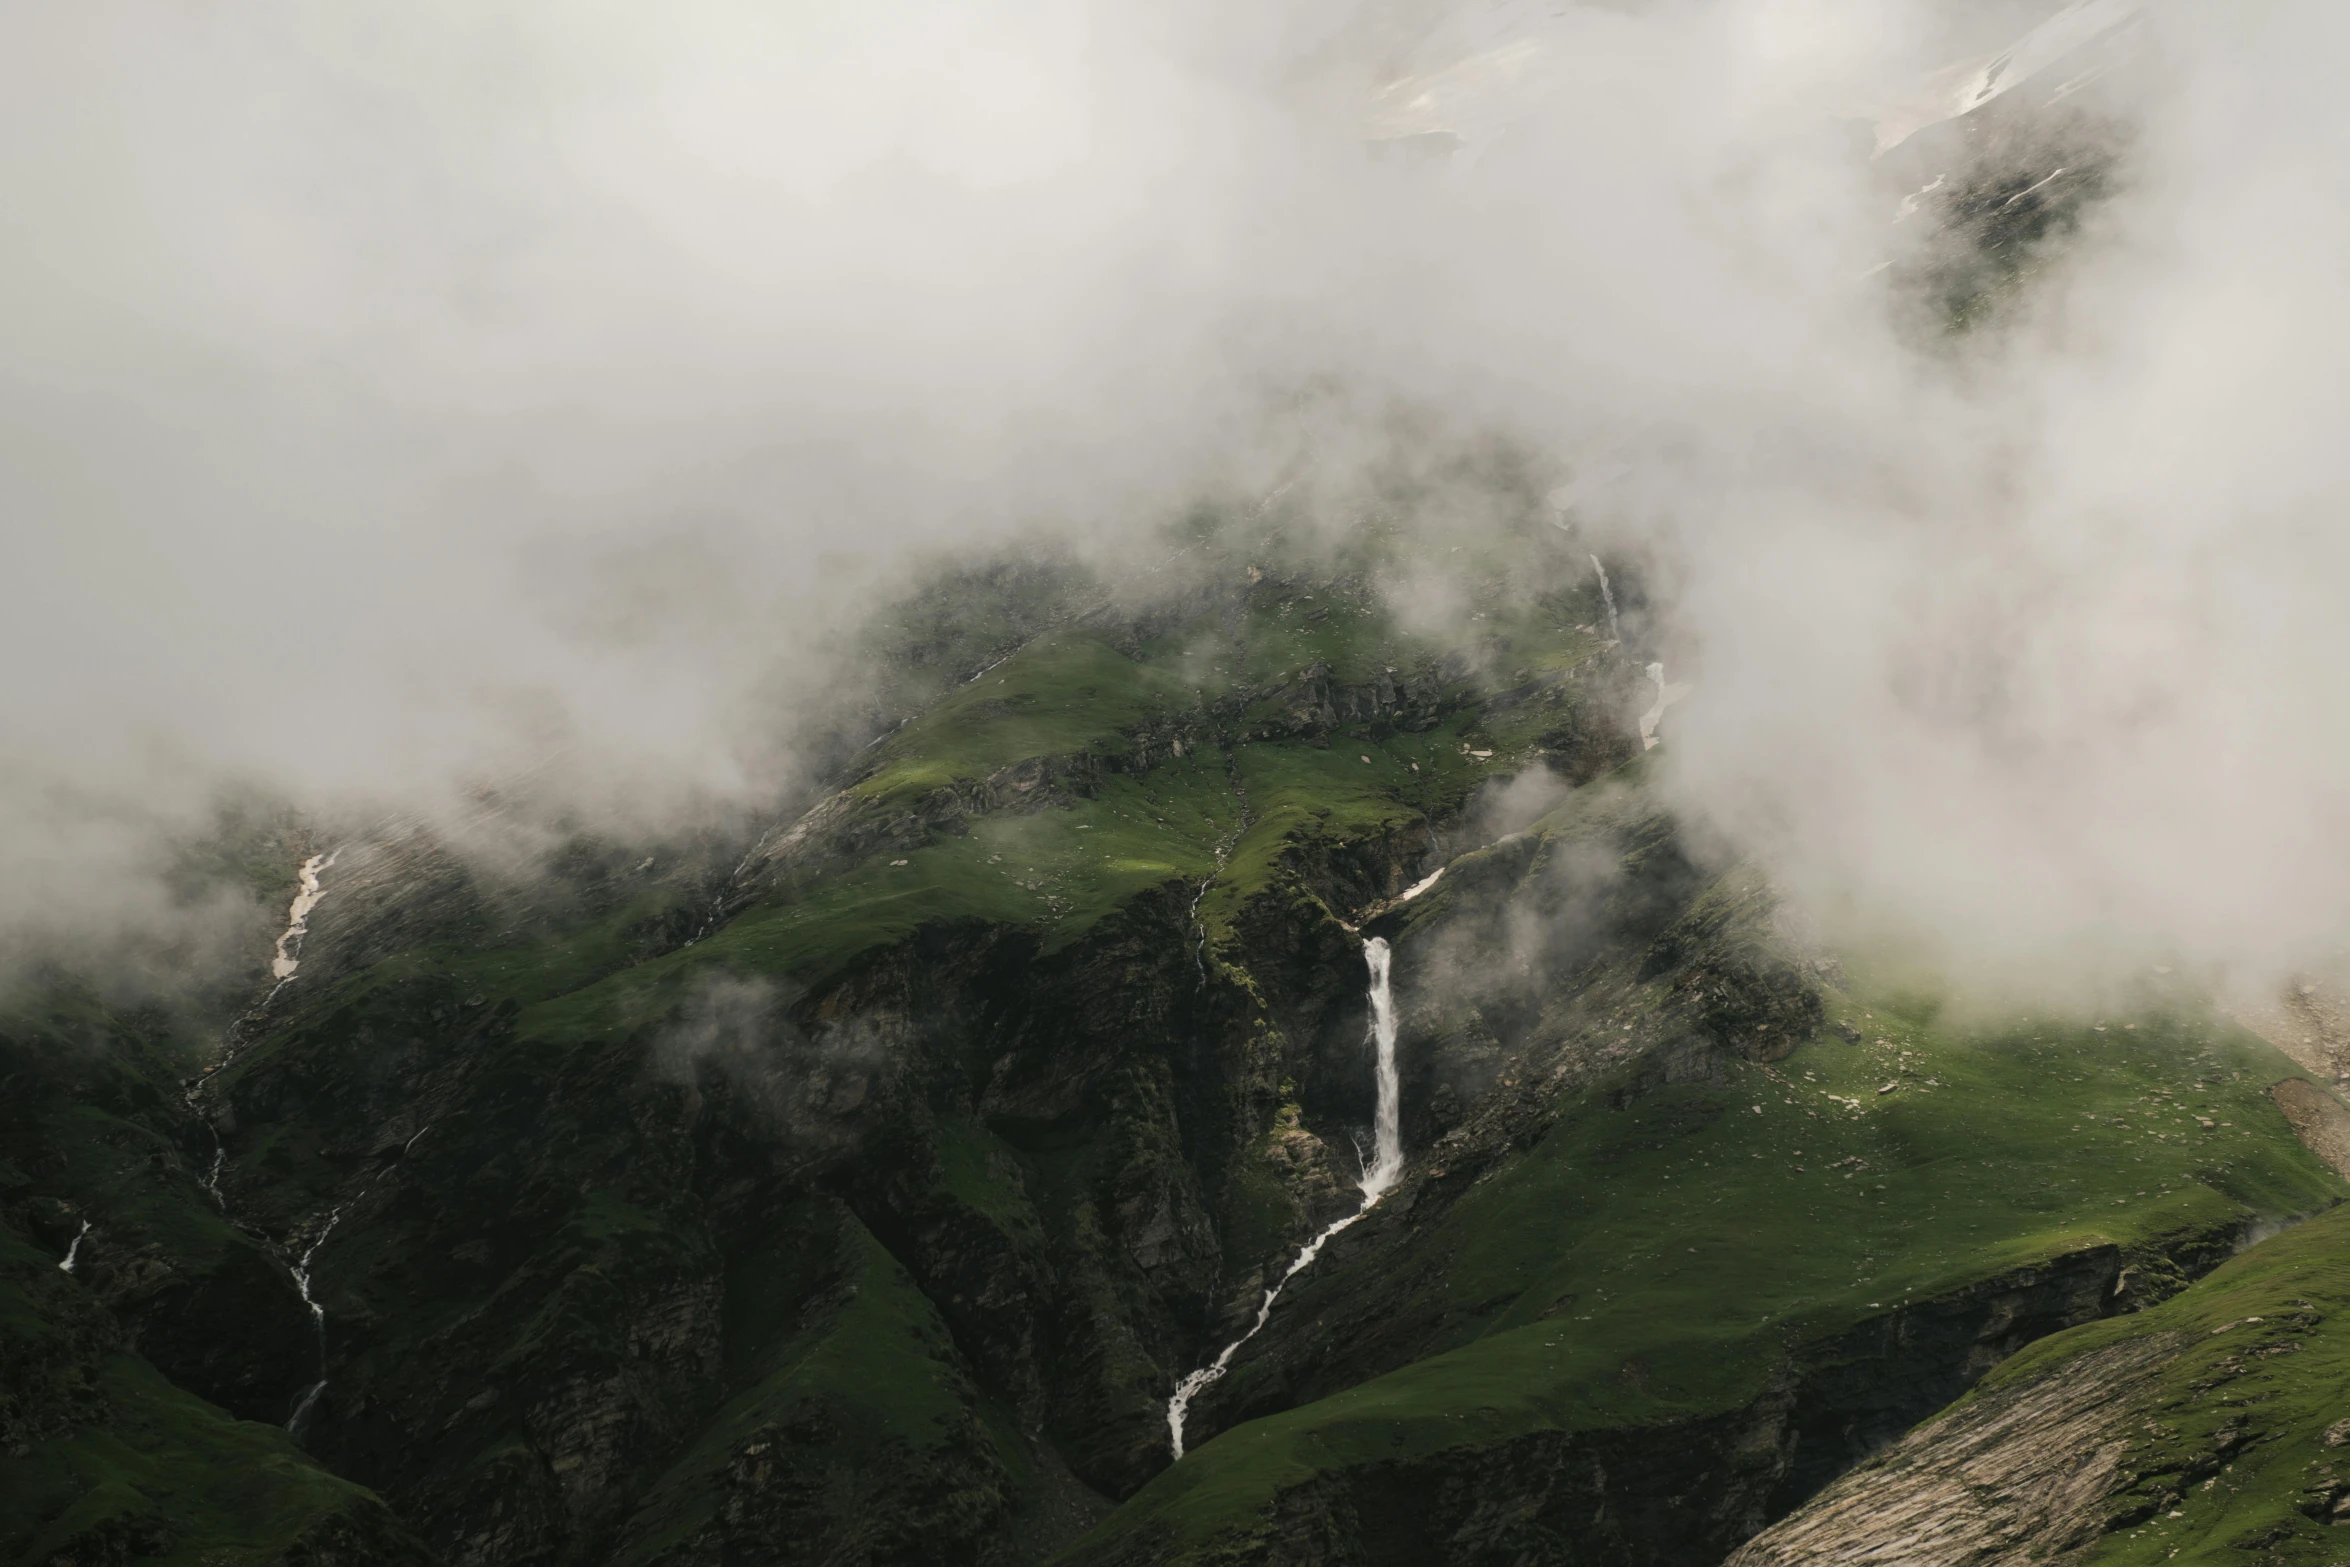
[
  {"x": 399, "y": 397},
  {"x": 814, "y": 1087}
]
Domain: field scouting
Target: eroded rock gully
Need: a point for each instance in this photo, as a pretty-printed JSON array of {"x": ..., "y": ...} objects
[{"x": 2014, "y": 1475}]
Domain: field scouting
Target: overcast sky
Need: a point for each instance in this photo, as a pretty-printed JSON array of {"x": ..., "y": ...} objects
[{"x": 389, "y": 391}]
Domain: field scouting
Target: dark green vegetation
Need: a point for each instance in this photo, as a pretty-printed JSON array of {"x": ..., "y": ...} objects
[
  {"x": 104, "y": 1457},
  {"x": 854, "y": 1189},
  {"x": 2242, "y": 1439},
  {"x": 1810, "y": 1252}
]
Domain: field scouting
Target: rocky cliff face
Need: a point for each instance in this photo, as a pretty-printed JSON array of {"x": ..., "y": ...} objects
[{"x": 2206, "y": 1429}]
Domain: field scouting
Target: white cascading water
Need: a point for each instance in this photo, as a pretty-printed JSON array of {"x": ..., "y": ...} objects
[
  {"x": 1608, "y": 595},
  {"x": 75, "y": 1250},
  {"x": 301, "y": 1272},
  {"x": 1380, "y": 1175},
  {"x": 1666, "y": 696},
  {"x": 1387, "y": 1135},
  {"x": 284, "y": 960},
  {"x": 306, "y": 895},
  {"x": 1199, "y": 948}
]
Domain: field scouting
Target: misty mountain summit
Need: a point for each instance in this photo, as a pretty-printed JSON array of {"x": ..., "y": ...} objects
[{"x": 1331, "y": 787}]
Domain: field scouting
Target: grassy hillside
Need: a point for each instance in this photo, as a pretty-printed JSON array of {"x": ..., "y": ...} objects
[
  {"x": 2239, "y": 1453},
  {"x": 2208, "y": 1428},
  {"x": 1671, "y": 1255},
  {"x": 997, "y": 1021}
]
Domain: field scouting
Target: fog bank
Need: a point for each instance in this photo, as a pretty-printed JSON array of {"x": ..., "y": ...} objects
[{"x": 399, "y": 396}]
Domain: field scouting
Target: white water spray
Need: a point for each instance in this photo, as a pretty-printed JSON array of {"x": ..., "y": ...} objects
[
  {"x": 1608, "y": 595},
  {"x": 306, "y": 895},
  {"x": 1378, "y": 1177},
  {"x": 1199, "y": 946},
  {"x": 1666, "y": 696},
  {"x": 1387, "y": 1136},
  {"x": 301, "y": 1272},
  {"x": 74, "y": 1250}
]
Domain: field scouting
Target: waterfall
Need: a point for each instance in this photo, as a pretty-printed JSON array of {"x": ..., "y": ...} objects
[
  {"x": 1561, "y": 501},
  {"x": 1608, "y": 594},
  {"x": 1387, "y": 1134},
  {"x": 1224, "y": 847},
  {"x": 301, "y": 1272},
  {"x": 74, "y": 1250},
  {"x": 1378, "y": 1177},
  {"x": 1666, "y": 696},
  {"x": 284, "y": 960},
  {"x": 306, "y": 895}
]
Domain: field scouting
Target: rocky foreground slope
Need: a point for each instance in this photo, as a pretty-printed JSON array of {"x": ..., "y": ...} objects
[
  {"x": 856, "y": 1189},
  {"x": 2210, "y": 1428}
]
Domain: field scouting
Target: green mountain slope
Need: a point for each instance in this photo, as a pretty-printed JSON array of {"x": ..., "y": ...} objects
[
  {"x": 103, "y": 1458},
  {"x": 1660, "y": 1290},
  {"x": 856, "y": 1187},
  {"x": 1017, "y": 1005}
]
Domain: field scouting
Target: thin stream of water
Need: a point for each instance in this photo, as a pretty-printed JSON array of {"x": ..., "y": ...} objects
[
  {"x": 1378, "y": 1178},
  {"x": 1666, "y": 696},
  {"x": 75, "y": 1250},
  {"x": 1607, "y": 594},
  {"x": 301, "y": 1272},
  {"x": 307, "y": 892}
]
